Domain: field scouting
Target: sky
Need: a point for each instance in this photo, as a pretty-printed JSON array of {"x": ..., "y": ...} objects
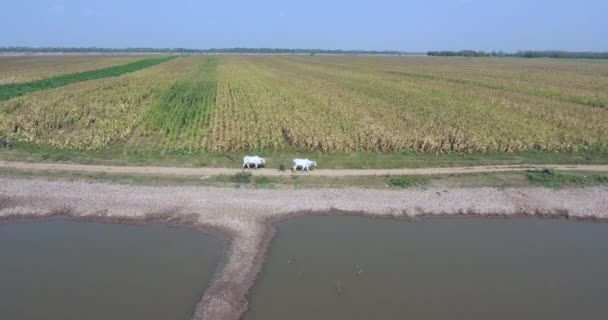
[{"x": 414, "y": 26}]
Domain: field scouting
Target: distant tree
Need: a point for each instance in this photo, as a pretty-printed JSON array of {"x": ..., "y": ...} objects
[
  {"x": 194, "y": 51},
  {"x": 562, "y": 54},
  {"x": 523, "y": 54}
]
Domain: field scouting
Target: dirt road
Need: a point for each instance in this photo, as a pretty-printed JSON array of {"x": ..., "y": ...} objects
[{"x": 177, "y": 171}]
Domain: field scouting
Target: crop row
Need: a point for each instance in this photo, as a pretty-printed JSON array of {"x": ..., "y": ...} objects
[{"x": 180, "y": 118}]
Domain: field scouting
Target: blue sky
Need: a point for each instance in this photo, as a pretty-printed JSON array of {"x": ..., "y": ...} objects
[{"x": 372, "y": 25}]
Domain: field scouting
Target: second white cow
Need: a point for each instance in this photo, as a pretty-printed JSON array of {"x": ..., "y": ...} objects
[
  {"x": 254, "y": 161},
  {"x": 305, "y": 164}
]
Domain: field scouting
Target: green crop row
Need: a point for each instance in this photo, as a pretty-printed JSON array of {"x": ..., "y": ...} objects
[{"x": 180, "y": 118}]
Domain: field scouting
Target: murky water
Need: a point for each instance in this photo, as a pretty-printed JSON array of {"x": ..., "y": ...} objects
[
  {"x": 59, "y": 269},
  {"x": 457, "y": 268}
]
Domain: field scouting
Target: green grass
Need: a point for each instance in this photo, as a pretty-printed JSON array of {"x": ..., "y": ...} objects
[
  {"x": 265, "y": 182},
  {"x": 601, "y": 179},
  {"x": 245, "y": 178},
  {"x": 405, "y": 181},
  {"x": 553, "y": 179},
  {"x": 10, "y": 91},
  {"x": 241, "y": 177}
]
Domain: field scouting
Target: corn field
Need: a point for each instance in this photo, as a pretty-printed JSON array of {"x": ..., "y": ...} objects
[
  {"x": 13, "y": 90},
  {"x": 21, "y": 69},
  {"x": 327, "y": 103}
]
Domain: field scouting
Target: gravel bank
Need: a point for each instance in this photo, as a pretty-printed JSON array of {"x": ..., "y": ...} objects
[{"x": 245, "y": 216}]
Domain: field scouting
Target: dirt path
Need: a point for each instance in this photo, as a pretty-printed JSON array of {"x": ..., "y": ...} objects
[{"x": 176, "y": 171}]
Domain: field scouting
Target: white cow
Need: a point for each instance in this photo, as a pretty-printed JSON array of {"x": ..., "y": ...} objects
[
  {"x": 304, "y": 163},
  {"x": 253, "y": 160}
]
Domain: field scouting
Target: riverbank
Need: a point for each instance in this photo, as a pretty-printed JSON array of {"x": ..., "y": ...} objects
[{"x": 246, "y": 216}]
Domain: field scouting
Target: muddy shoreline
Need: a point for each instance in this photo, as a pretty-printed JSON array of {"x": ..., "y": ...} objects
[{"x": 245, "y": 218}]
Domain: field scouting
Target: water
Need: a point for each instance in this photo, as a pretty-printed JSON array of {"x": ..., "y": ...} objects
[
  {"x": 457, "y": 268},
  {"x": 59, "y": 269}
]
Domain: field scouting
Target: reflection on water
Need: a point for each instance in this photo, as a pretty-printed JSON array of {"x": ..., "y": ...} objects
[
  {"x": 58, "y": 269},
  {"x": 457, "y": 268}
]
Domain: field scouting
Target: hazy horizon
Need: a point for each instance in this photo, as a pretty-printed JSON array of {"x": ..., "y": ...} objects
[{"x": 412, "y": 26}]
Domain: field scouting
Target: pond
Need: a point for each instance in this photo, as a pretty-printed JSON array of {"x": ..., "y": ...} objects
[
  {"x": 348, "y": 267},
  {"x": 61, "y": 269}
]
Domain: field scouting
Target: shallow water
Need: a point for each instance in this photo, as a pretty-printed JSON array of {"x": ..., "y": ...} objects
[
  {"x": 59, "y": 269},
  {"x": 441, "y": 268}
]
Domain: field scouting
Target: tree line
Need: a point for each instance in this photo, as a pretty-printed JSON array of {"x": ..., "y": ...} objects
[
  {"x": 461, "y": 53},
  {"x": 196, "y": 51},
  {"x": 523, "y": 54}
]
